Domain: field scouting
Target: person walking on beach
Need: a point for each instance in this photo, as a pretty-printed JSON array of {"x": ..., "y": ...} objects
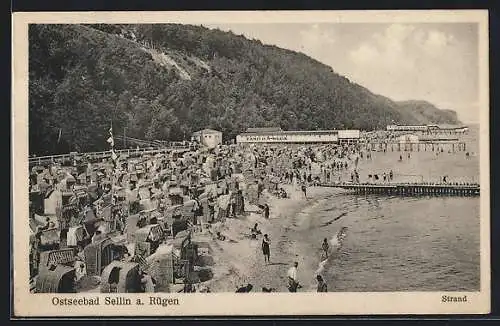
[
  {"x": 265, "y": 248},
  {"x": 265, "y": 211},
  {"x": 304, "y": 190},
  {"x": 325, "y": 247},
  {"x": 293, "y": 283},
  {"x": 322, "y": 287}
]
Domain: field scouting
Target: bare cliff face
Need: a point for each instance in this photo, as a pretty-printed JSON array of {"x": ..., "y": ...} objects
[{"x": 167, "y": 81}]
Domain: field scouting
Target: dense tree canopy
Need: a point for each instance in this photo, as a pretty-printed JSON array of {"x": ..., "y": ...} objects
[{"x": 167, "y": 81}]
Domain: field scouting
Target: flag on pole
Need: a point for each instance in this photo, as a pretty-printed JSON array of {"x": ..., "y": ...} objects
[{"x": 111, "y": 140}]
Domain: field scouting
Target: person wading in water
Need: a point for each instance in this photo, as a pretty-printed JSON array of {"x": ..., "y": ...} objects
[{"x": 265, "y": 248}]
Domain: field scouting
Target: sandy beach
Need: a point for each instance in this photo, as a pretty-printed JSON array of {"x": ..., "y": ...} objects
[{"x": 239, "y": 260}]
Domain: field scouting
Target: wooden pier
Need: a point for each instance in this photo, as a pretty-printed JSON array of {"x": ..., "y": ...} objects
[
  {"x": 410, "y": 189},
  {"x": 421, "y": 146}
]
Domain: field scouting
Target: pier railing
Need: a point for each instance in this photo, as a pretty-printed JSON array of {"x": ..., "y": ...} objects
[
  {"x": 410, "y": 189},
  {"x": 42, "y": 160},
  {"x": 418, "y": 146}
]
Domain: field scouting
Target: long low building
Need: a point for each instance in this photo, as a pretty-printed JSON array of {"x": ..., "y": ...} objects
[
  {"x": 298, "y": 136},
  {"x": 429, "y": 128}
]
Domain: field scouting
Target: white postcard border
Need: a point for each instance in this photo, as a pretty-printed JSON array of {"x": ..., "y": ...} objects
[{"x": 228, "y": 304}]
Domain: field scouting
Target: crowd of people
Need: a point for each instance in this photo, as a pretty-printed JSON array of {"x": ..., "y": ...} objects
[{"x": 84, "y": 201}]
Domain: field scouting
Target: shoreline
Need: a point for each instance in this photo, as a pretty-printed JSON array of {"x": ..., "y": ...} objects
[{"x": 239, "y": 261}]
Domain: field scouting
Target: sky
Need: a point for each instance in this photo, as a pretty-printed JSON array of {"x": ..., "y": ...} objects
[{"x": 420, "y": 61}]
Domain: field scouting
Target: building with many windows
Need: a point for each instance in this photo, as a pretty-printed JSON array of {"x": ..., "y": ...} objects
[
  {"x": 278, "y": 136},
  {"x": 431, "y": 128}
]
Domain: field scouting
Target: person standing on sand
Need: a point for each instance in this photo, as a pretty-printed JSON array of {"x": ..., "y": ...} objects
[
  {"x": 322, "y": 287},
  {"x": 265, "y": 211},
  {"x": 293, "y": 283},
  {"x": 325, "y": 248},
  {"x": 304, "y": 190},
  {"x": 265, "y": 248}
]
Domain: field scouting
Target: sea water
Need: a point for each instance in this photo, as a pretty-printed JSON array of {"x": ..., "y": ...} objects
[{"x": 396, "y": 243}]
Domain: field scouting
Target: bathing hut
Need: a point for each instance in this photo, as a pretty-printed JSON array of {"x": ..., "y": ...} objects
[
  {"x": 185, "y": 259},
  {"x": 147, "y": 239},
  {"x": 98, "y": 255},
  {"x": 67, "y": 216},
  {"x": 76, "y": 236},
  {"x": 188, "y": 209},
  {"x": 252, "y": 193},
  {"x": 80, "y": 195},
  {"x": 173, "y": 220},
  {"x": 55, "y": 272},
  {"x": 223, "y": 207},
  {"x": 176, "y": 196},
  {"x": 160, "y": 266},
  {"x": 56, "y": 279},
  {"x": 56, "y": 257},
  {"x": 49, "y": 239},
  {"x": 239, "y": 202},
  {"x": 121, "y": 277},
  {"x": 37, "y": 201},
  {"x": 53, "y": 199},
  {"x": 189, "y": 250}
]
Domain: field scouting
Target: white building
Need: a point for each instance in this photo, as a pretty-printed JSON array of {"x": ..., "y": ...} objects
[
  {"x": 408, "y": 139},
  {"x": 297, "y": 137},
  {"x": 208, "y": 137},
  {"x": 431, "y": 128},
  {"x": 348, "y": 136},
  {"x": 407, "y": 128}
]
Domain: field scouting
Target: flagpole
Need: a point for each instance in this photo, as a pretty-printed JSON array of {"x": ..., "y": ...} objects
[{"x": 113, "y": 158}]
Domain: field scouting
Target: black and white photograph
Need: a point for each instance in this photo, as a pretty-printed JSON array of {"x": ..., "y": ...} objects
[{"x": 262, "y": 158}]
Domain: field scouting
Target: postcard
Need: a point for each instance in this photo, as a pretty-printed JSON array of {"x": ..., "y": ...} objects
[{"x": 253, "y": 163}]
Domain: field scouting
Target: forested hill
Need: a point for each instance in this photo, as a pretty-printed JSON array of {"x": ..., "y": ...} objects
[
  {"x": 424, "y": 112},
  {"x": 166, "y": 81}
]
